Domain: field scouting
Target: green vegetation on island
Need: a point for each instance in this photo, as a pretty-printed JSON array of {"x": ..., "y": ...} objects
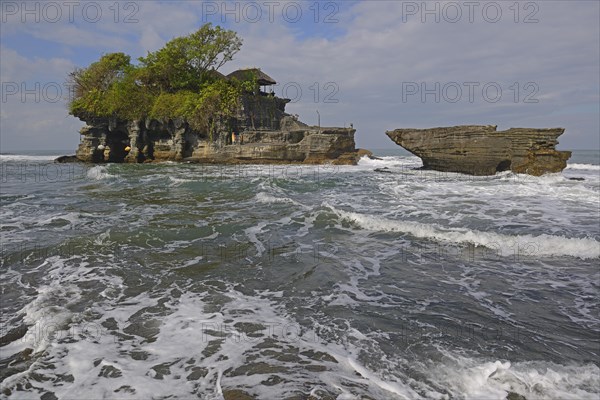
[
  {"x": 179, "y": 80},
  {"x": 173, "y": 104}
]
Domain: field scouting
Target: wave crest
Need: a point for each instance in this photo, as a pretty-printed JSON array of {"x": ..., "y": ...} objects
[{"x": 542, "y": 245}]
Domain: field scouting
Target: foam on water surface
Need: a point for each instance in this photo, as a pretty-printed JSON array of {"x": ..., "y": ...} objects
[
  {"x": 27, "y": 157},
  {"x": 192, "y": 281},
  {"x": 542, "y": 245},
  {"x": 590, "y": 167}
]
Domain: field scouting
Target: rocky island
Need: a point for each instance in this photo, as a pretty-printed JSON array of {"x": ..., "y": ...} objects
[
  {"x": 259, "y": 132},
  {"x": 482, "y": 150},
  {"x": 174, "y": 105}
]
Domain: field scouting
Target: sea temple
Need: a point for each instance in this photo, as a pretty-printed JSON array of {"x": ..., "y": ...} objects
[{"x": 257, "y": 131}]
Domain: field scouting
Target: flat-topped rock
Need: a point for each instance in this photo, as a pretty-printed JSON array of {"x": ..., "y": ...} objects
[{"x": 482, "y": 150}]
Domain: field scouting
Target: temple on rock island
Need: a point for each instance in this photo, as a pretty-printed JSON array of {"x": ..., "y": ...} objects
[{"x": 260, "y": 131}]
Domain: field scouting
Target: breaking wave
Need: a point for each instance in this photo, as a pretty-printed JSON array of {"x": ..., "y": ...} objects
[
  {"x": 590, "y": 167},
  {"x": 542, "y": 245}
]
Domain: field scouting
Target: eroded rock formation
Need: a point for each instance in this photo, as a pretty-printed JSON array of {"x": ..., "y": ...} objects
[
  {"x": 265, "y": 134},
  {"x": 482, "y": 150}
]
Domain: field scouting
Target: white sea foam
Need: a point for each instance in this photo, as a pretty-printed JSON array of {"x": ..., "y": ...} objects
[
  {"x": 392, "y": 164},
  {"x": 341, "y": 299},
  {"x": 412, "y": 161},
  {"x": 503, "y": 245},
  {"x": 24, "y": 157},
  {"x": 266, "y": 198},
  {"x": 194, "y": 335},
  {"x": 47, "y": 316},
  {"x": 474, "y": 379},
  {"x": 181, "y": 346},
  {"x": 72, "y": 219},
  {"x": 399, "y": 389},
  {"x": 140, "y": 335},
  {"x": 98, "y": 172},
  {"x": 178, "y": 181},
  {"x": 590, "y": 167},
  {"x": 252, "y": 235},
  {"x": 458, "y": 376},
  {"x": 44, "y": 319}
]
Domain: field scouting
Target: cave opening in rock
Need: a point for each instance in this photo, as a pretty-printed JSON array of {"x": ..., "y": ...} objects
[
  {"x": 504, "y": 165},
  {"x": 117, "y": 145}
]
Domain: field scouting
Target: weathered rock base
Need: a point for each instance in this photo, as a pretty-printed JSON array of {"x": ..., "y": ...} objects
[
  {"x": 308, "y": 146},
  {"x": 266, "y": 135},
  {"x": 481, "y": 150}
]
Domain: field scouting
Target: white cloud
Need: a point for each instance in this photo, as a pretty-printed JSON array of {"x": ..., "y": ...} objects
[
  {"x": 150, "y": 40},
  {"x": 16, "y": 68},
  {"x": 33, "y": 116},
  {"x": 374, "y": 51}
]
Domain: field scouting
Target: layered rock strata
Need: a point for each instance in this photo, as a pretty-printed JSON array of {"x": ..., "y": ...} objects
[
  {"x": 264, "y": 133},
  {"x": 482, "y": 150}
]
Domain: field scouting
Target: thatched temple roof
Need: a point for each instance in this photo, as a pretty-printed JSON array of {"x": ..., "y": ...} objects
[
  {"x": 242, "y": 74},
  {"x": 216, "y": 75}
]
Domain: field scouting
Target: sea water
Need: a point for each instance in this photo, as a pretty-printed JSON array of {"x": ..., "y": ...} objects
[{"x": 378, "y": 281}]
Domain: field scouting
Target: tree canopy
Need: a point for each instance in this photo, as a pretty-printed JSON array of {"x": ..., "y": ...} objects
[
  {"x": 177, "y": 80},
  {"x": 184, "y": 61}
]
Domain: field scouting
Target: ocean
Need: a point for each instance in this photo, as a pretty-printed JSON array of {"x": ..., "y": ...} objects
[{"x": 376, "y": 281}]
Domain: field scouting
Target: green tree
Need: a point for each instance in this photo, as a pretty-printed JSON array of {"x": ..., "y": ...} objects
[
  {"x": 184, "y": 62},
  {"x": 98, "y": 76},
  {"x": 179, "y": 80},
  {"x": 127, "y": 98},
  {"x": 217, "y": 101}
]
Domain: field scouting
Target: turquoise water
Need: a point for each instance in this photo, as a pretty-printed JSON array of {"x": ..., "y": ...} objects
[{"x": 158, "y": 280}]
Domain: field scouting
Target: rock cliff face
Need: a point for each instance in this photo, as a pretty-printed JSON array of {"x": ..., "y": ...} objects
[
  {"x": 481, "y": 150},
  {"x": 265, "y": 134}
]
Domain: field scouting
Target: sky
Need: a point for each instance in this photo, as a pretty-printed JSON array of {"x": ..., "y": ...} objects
[{"x": 379, "y": 65}]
